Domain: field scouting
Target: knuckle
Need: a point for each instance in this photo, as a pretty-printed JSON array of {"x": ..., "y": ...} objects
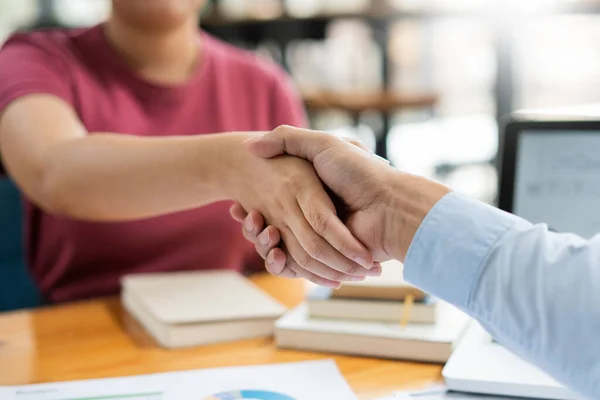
[
  {"x": 315, "y": 249},
  {"x": 353, "y": 270},
  {"x": 336, "y": 276},
  {"x": 281, "y": 128},
  {"x": 320, "y": 222},
  {"x": 292, "y": 265},
  {"x": 343, "y": 248},
  {"x": 304, "y": 261}
]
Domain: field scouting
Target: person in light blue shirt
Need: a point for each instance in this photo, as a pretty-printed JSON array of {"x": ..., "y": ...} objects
[{"x": 537, "y": 292}]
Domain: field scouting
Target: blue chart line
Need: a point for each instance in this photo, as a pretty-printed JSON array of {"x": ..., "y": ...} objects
[{"x": 250, "y": 395}]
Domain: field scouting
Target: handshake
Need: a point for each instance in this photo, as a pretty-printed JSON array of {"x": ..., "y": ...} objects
[{"x": 361, "y": 213}]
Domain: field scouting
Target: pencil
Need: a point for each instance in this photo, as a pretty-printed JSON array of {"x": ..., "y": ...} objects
[{"x": 409, "y": 300}]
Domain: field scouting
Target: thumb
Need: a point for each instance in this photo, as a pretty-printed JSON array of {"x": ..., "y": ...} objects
[
  {"x": 357, "y": 143},
  {"x": 303, "y": 143}
]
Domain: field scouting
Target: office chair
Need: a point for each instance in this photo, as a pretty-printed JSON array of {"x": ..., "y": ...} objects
[{"x": 17, "y": 289}]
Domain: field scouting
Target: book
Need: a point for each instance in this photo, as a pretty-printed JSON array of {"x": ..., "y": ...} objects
[
  {"x": 184, "y": 309},
  {"x": 321, "y": 304},
  {"x": 389, "y": 286},
  {"x": 416, "y": 342}
]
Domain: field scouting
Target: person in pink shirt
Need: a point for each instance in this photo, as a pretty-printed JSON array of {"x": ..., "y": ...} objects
[{"x": 114, "y": 134}]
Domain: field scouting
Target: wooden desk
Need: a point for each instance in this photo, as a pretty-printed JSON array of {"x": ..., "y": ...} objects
[{"x": 97, "y": 339}]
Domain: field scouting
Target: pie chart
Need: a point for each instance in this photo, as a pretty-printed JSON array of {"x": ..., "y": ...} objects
[{"x": 249, "y": 395}]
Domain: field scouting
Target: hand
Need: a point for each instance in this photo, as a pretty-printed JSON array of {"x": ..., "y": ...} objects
[
  {"x": 288, "y": 193},
  {"x": 385, "y": 207}
]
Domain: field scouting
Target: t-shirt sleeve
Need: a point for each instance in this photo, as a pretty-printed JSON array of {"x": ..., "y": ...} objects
[
  {"x": 30, "y": 65},
  {"x": 288, "y": 108}
]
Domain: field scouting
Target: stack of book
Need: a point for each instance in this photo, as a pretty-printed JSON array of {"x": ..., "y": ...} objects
[
  {"x": 380, "y": 317},
  {"x": 184, "y": 309}
]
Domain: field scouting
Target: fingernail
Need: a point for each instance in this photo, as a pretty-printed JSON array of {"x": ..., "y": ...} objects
[
  {"x": 264, "y": 238},
  {"x": 363, "y": 262},
  {"x": 249, "y": 223},
  {"x": 374, "y": 272},
  {"x": 270, "y": 258},
  {"x": 334, "y": 285}
]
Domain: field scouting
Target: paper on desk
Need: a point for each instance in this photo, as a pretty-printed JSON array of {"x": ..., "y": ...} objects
[
  {"x": 441, "y": 394},
  {"x": 313, "y": 380}
]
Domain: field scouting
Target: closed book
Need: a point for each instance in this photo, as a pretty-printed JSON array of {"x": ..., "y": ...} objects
[
  {"x": 193, "y": 308},
  {"x": 389, "y": 286},
  {"x": 415, "y": 342},
  {"x": 321, "y": 304}
]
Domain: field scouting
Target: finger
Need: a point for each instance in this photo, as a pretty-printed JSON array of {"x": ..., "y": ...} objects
[
  {"x": 303, "y": 143},
  {"x": 280, "y": 263},
  {"x": 327, "y": 239},
  {"x": 316, "y": 279},
  {"x": 254, "y": 223},
  {"x": 237, "y": 212},
  {"x": 267, "y": 240},
  {"x": 308, "y": 263},
  {"x": 275, "y": 263}
]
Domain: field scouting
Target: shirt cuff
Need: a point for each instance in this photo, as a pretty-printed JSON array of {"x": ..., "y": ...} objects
[{"x": 450, "y": 248}]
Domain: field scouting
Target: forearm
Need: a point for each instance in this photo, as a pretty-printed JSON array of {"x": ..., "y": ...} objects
[
  {"x": 534, "y": 291},
  {"x": 111, "y": 177}
]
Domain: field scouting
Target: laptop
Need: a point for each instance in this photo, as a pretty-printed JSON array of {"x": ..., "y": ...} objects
[
  {"x": 480, "y": 365},
  {"x": 550, "y": 173}
]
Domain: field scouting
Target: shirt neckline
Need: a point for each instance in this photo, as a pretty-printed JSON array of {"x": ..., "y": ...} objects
[{"x": 141, "y": 85}]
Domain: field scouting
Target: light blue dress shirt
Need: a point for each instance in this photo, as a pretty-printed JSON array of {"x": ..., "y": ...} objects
[{"x": 537, "y": 292}]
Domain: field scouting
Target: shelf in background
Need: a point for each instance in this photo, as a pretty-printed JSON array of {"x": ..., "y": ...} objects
[
  {"x": 386, "y": 13},
  {"x": 356, "y": 102}
]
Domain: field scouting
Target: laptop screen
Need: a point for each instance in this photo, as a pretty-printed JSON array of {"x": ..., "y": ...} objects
[{"x": 557, "y": 180}]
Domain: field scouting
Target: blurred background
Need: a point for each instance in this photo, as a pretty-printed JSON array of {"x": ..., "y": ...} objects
[{"x": 423, "y": 82}]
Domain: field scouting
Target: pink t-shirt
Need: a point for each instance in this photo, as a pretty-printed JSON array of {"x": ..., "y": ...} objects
[{"x": 231, "y": 90}]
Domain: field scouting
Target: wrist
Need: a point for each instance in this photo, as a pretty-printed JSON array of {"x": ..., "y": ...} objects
[
  {"x": 233, "y": 162},
  {"x": 410, "y": 198}
]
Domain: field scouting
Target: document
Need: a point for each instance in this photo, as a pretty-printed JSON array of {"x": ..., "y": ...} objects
[
  {"x": 440, "y": 393},
  {"x": 313, "y": 380}
]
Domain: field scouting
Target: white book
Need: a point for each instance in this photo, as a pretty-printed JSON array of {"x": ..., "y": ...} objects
[
  {"x": 389, "y": 286},
  {"x": 193, "y": 308},
  {"x": 322, "y": 304},
  {"x": 419, "y": 342}
]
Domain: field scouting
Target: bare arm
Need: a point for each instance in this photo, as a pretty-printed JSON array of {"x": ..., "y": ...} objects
[
  {"x": 115, "y": 177},
  {"x": 107, "y": 176}
]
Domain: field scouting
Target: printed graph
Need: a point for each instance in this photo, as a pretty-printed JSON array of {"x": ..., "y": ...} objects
[{"x": 250, "y": 395}]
